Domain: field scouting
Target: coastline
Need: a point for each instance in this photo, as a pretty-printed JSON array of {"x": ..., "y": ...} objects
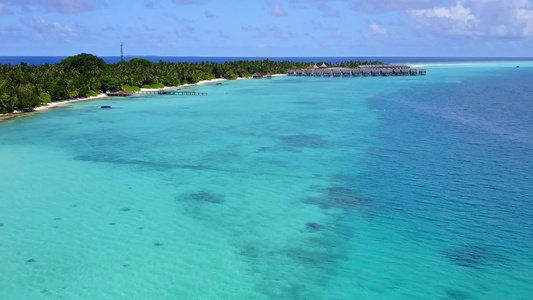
[{"x": 60, "y": 103}]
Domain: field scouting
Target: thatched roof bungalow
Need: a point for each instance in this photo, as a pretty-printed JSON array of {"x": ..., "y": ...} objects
[
  {"x": 257, "y": 75},
  {"x": 395, "y": 66},
  {"x": 386, "y": 72}
]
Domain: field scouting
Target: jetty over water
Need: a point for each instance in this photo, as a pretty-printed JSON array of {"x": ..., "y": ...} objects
[
  {"x": 362, "y": 70},
  {"x": 156, "y": 92}
]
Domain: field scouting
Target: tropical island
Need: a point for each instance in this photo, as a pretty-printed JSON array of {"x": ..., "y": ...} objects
[{"x": 24, "y": 87}]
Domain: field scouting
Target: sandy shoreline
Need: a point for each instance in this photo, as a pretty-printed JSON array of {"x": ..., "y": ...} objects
[{"x": 55, "y": 104}]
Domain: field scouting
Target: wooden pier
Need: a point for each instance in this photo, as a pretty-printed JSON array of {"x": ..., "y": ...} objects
[
  {"x": 157, "y": 92},
  {"x": 120, "y": 93}
]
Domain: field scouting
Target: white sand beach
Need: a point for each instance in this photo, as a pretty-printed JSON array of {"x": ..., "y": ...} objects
[
  {"x": 16, "y": 114},
  {"x": 60, "y": 103},
  {"x": 68, "y": 101}
]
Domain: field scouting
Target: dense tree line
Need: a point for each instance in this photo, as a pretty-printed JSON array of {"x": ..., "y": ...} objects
[{"x": 26, "y": 87}]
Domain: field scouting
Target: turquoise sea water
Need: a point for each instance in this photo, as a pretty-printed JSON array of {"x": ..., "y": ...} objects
[{"x": 290, "y": 188}]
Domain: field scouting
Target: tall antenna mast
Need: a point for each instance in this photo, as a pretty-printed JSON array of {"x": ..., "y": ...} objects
[{"x": 121, "y": 51}]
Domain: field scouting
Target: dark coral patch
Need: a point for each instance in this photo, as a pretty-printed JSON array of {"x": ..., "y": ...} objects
[
  {"x": 203, "y": 197},
  {"x": 250, "y": 251},
  {"x": 112, "y": 223},
  {"x": 126, "y": 209},
  {"x": 263, "y": 149},
  {"x": 304, "y": 141},
  {"x": 31, "y": 260},
  {"x": 341, "y": 198},
  {"x": 472, "y": 256},
  {"x": 454, "y": 294},
  {"x": 1, "y": 224},
  {"x": 305, "y": 102},
  {"x": 312, "y": 226},
  {"x": 309, "y": 256},
  {"x": 158, "y": 244}
]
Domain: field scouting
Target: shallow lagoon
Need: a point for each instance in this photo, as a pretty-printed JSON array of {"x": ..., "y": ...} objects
[{"x": 290, "y": 188}]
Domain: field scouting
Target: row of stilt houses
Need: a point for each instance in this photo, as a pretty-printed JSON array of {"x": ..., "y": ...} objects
[{"x": 362, "y": 70}]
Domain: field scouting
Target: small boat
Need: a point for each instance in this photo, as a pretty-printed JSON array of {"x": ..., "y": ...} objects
[
  {"x": 219, "y": 83},
  {"x": 105, "y": 106}
]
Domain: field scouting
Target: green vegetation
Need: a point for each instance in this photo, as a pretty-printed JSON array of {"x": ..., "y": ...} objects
[
  {"x": 26, "y": 87},
  {"x": 158, "y": 85},
  {"x": 130, "y": 88}
]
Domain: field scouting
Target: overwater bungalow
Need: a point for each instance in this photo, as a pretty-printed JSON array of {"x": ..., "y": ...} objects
[
  {"x": 257, "y": 75},
  {"x": 268, "y": 76},
  {"x": 386, "y": 72},
  {"x": 362, "y": 70}
]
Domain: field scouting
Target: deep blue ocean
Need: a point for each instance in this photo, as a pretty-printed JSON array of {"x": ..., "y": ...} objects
[
  {"x": 39, "y": 60},
  {"x": 415, "y": 187}
]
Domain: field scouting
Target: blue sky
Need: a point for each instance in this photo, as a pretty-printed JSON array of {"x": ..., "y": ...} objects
[{"x": 270, "y": 28}]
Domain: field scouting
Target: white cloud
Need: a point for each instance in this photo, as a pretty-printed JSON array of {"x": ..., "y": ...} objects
[
  {"x": 281, "y": 33},
  {"x": 484, "y": 18},
  {"x": 377, "y": 30},
  {"x": 509, "y": 19},
  {"x": 455, "y": 13},
  {"x": 276, "y": 9},
  {"x": 150, "y": 4},
  {"x": 62, "y": 6},
  {"x": 187, "y": 2},
  {"x": 44, "y": 29},
  {"x": 321, "y": 5},
  {"x": 378, "y": 6},
  {"x": 208, "y": 14},
  {"x": 452, "y": 20},
  {"x": 327, "y": 10}
]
